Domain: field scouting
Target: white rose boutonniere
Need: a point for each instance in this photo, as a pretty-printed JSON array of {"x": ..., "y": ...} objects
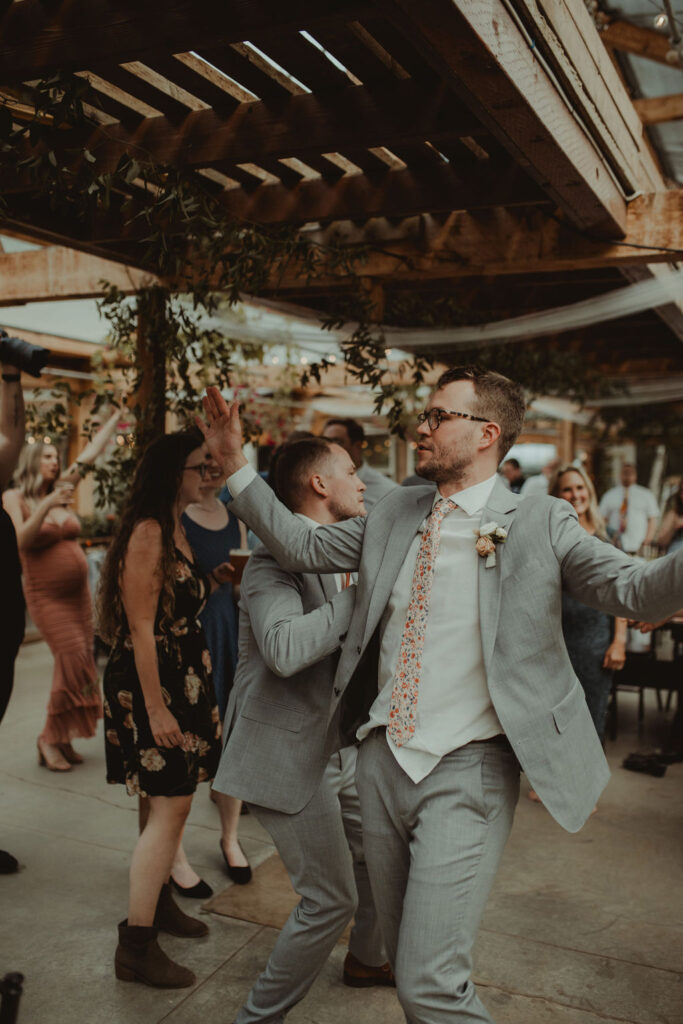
[{"x": 488, "y": 536}]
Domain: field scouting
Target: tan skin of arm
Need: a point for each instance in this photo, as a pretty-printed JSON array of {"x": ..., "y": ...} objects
[
  {"x": 140, "y": 589},
  {"x": 92, "y": 450},
  {"x": 27, "y": 530},
  {"x": 615, "y": 655}
]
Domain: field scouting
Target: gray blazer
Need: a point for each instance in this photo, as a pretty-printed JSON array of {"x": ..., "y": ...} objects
[
  {"x": 534, "y": 690},
  {"x": 277, "y": 720}
]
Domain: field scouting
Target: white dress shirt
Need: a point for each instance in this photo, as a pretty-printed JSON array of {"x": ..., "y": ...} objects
[
  {"x": 641, "y": 507},
  {"x": 454, "y": 705}
]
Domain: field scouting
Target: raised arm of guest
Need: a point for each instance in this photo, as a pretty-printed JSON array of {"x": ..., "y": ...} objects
[{"x": 92, "y": 450}]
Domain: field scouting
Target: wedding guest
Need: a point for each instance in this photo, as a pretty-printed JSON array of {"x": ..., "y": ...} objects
[
  {"x": 12, "y": 632},
  {"x": 212, "y": 531},
  {"x": 670, "y": 535},
  {"x": 595, "y": 642},
  {"x": 512, "y": 471},
  {"x": 631, "y": 512},
  {"x": 55, "y": 573},
  {"x": 451, "y": 667},
  {"x": 162, "y": 723},
  {"x": 279, "y": 751},
  {"x": 539, "y": 484},
  {"x": 350, "y": 435}
]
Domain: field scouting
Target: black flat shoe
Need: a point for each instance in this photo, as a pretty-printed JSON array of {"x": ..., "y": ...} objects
[
  {"x": 201, "y": 891},
  {"x": 240, "y": 876},
  {"x": 8, "y": 863}
]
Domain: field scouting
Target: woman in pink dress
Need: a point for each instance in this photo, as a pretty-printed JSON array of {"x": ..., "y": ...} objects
[{"x": 55, "y": 576}]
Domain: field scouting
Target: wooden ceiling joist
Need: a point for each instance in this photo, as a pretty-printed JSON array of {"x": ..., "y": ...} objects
[
  {"x": 37, "y": 39},
  {"x": 54, "y": 272},
  {"x": 660, "y": 109},
  {"x": 635, "y": 39},
  {"x": 306, "y": 125},
  {"x": 480, "y": 50}
]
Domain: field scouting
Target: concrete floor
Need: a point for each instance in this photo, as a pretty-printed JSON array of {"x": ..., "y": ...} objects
[{"x": 583, "y": 929}]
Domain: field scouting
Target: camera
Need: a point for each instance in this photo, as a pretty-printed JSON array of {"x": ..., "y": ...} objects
[{"x": 29, "y": 358}]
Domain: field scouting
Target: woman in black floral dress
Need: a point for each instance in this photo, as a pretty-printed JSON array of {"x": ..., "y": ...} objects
[{"x": 161, "y": 720}]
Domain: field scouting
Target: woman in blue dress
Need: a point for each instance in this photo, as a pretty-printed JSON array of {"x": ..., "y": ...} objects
[{"x": 212, "y": 532}]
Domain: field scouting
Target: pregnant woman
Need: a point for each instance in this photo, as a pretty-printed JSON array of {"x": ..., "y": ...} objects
[{"x": 55, "y": 574}]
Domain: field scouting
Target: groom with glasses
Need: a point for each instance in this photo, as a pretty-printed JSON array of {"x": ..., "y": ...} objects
[{"x": 453, "y": 672}]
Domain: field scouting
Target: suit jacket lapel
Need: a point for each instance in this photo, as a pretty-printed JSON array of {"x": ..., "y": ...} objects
[
  {"x": 500, "y": 510},
  {"x": 385, "y": 562}
]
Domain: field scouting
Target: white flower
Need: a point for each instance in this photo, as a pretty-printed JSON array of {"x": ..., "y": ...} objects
[
  {"x": 152, "y": 760},
  {"x": 501, "y": 534},
  {"x": 488, "y": 528}
]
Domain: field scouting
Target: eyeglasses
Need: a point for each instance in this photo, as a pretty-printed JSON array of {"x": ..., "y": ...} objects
[
  {"x": 201, "y": 468},
  {"x": 434, "y": 417}
]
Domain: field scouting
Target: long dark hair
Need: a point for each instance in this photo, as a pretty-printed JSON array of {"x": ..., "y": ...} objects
[{"x": 153, "y": 495}]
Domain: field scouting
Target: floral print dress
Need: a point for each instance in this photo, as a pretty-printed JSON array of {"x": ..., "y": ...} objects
[{"x": 133, "y": 758}]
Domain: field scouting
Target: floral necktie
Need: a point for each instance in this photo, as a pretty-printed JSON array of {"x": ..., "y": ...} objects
[{"x": 403, "y": 704}]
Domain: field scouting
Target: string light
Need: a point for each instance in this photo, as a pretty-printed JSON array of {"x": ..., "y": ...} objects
[{"x": 661, "y": 21}]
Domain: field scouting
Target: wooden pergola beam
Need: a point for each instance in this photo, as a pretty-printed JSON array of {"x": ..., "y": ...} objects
[
  {"x": 481, "y": 52},
  {"x": 484, "y": 243},
  {"x": 660, "y": 109},
  {"x": 642, "y": 42},
  {"x": 38, "y": 38},
  {"x": 55, "y": 272},
  {"x": 303, "y": 125}
]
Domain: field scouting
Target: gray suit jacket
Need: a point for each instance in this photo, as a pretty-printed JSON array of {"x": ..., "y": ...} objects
[
  {"x": 277, "y": 720},
  {"x": 534, "y": 690},
  {"x": 377, "y": 485}
]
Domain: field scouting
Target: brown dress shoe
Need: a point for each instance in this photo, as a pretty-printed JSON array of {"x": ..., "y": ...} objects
[
  {"x": 140, "y": 958},
  {"x": 359, "y": 975}
]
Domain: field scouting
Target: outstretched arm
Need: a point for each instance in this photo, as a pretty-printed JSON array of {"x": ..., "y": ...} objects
[{"x": 92, "y": 450}]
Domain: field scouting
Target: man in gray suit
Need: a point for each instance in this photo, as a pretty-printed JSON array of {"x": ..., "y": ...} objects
[
  {"x": 455, "y": 666},
  {"x": 283, "y": 757},
  {"x": 351, "y": 436}
]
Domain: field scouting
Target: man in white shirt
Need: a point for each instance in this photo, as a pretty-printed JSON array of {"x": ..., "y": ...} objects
[
  {"x": 630, "y": 511},
  {"x": 351, "y": 436},
  {"x": 474, "y": 680}
]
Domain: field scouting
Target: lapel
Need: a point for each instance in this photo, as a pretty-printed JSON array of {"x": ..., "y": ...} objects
[
  {"x": 384, "y": 563},
  {"x": 500, "y": 509}
]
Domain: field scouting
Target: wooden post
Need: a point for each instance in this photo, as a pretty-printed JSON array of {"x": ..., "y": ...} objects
[
  {"x": 566, "y": 440},
  {"x": 150, "y": 400}
]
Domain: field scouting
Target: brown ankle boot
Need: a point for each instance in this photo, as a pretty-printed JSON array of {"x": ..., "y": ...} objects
[
  {"x": 139, "y": 958},
  {"x": 171, "y": 919}
]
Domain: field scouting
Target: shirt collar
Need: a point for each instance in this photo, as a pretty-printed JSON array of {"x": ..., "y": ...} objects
[{"x": 472, "y": 499}]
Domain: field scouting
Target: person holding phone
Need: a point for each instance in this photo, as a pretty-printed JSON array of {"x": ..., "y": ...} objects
[{"x": 55, "y": 573}]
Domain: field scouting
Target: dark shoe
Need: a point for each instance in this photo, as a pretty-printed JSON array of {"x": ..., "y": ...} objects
[
  {"x": 201, "y": 891},
  {"x": 359, "y": 975},
  {"x": 648, "y": 764},
  {"x": 140, "y": 958},
  {"x": 171, "y": 919},
  {"x": 240, "y": 876},
  {"x": 8, "y": 863}
]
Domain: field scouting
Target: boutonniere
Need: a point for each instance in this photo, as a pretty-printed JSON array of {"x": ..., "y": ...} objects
[{"x": 488, "y": 536}]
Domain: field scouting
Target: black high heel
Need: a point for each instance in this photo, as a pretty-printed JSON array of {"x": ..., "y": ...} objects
[
  {"x": 201, "y": 891},
  {"x": 240, "y": 876}
]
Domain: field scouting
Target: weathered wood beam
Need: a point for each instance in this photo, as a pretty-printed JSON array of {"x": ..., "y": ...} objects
[
  {"x": 658, "y": 109},
  {"x": 303, "y": 125},
  {"x": 466, "y": 244},
  {"x": 59, "y": 273},
  {"x": 398, "y": 194},
  {"x": 642, "y": 42},
  {"x": 37, "y": 38},
  {"x": 481, "y": 52}
]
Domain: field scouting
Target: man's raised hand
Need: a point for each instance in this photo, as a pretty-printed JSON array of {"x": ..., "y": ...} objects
[{"x": 222, "y": 431}]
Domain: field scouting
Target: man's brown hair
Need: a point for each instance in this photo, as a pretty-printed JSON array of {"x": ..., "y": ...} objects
[
  {"x": 293, "y": 465},
  {"x": 497, "y": 398}
]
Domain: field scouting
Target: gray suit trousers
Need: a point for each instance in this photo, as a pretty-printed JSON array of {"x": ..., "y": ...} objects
[
  {"x": 432, "y": 849},
  {"x": 321, "y": 848}
]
